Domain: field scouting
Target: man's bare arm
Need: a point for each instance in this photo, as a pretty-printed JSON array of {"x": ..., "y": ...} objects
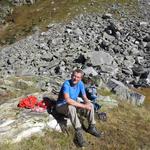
[
  {"x": 76, "y": 104},
  {"x": 86, "y": 100}
]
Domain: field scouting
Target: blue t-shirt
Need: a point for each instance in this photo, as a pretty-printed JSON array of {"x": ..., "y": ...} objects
[{"x": 72, "y": 90}]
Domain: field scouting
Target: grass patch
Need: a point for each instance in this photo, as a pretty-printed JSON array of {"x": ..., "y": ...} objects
[
  {"x": 18, "y": 86},
  {"x": 5, "y": 2}
]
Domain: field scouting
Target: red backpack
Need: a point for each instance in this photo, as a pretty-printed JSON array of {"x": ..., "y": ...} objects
[{"x": 28, "y": 102}]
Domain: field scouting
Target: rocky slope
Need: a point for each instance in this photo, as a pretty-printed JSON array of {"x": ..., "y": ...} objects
[
  {"x": 115, "y": 51},
  {"x": 118, "y": 49}
]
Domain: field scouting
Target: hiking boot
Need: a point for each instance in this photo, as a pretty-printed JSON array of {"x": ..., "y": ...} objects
[
  {"x": 92, "y": 130},
  {"x": 79, "y": 138}
]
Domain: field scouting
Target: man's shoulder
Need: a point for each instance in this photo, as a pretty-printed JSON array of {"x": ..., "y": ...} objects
[
  {"x": 67, "y": 82},
  {"x": 81, "y": 83}
]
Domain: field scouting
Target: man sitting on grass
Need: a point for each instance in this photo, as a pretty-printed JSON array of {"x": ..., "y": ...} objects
[{"x": 67, "y": 104}]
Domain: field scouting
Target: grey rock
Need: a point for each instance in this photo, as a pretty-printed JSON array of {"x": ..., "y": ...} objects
[
  {"x": 108, "y": 37},
  {"x": 129, "y": 62},
  {"x": 134, "y": 51},
  {"x": 21, "y": 2},
  {"x": 44, "y": 46},
  {"x": 107, "y": 16},
  {"x": 125, "y": 93},
  {"x": 10, "y": 61},
  {"x": 140, "y": 59},
  {"x": 119, "y": 59},
  {"x": 118, "y": 35},
  {"x": 100, "y": 58},
  {"x": 127, "y": 71},
  {"x": 112, "y": 70},
  {"x": 90, "y": 71},
  {"x": 143, "y": 23},
  {"x": 42, "y": 85},
  {"x": 147, "y": 38},
  {"x": 148, "y": 79},
  {"x": 78, "y": 31},
  {"x": 47, "y": 57},
  {"x": 138, "y": 70},
  {"x": 148, "y": 46}
]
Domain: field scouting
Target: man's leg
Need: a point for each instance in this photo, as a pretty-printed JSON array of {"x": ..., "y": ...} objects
[
  {"x": 91, "y": 116},
  {"x": 62, "y": 109},
  {"x": 91, "y": 120},
  {"x": 71, "y": 112}
]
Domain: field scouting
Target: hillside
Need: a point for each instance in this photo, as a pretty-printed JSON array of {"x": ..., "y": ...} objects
[{"x": 42, "y": 41}]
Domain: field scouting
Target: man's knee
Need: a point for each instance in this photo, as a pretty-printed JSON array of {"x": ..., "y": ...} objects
[
  {"x": 72, "y": 109},
  {"x": 62, "y": 109}
]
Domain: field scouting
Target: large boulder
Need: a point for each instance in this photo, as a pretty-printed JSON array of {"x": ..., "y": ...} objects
[
  {"x": 104, "y": 60},
  {"x": 90, "y": 71},
  {"x": 125, "y": 93}
]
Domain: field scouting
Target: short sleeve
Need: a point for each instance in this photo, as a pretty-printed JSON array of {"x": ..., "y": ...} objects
[
  {"x": 82, "y": 89},
  {"x": 65, "y": 88}
]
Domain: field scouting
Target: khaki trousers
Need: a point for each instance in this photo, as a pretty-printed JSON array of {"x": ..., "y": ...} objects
[{"x": 72, "y": 112}]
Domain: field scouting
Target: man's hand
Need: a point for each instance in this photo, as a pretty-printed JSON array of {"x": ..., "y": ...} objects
[
  {"x": 87, "y": 103},
  {"x": 88, "y": 106}
]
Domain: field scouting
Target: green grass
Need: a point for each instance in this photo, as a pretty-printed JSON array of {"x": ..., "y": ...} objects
[
  {"x": 127, "y": 128},
  {"x": 17, "y": 88},
  {"x": 5, "y": 2}
]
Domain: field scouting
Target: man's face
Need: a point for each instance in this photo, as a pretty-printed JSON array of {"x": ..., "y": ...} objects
[{"x": 76, "y": 77}]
